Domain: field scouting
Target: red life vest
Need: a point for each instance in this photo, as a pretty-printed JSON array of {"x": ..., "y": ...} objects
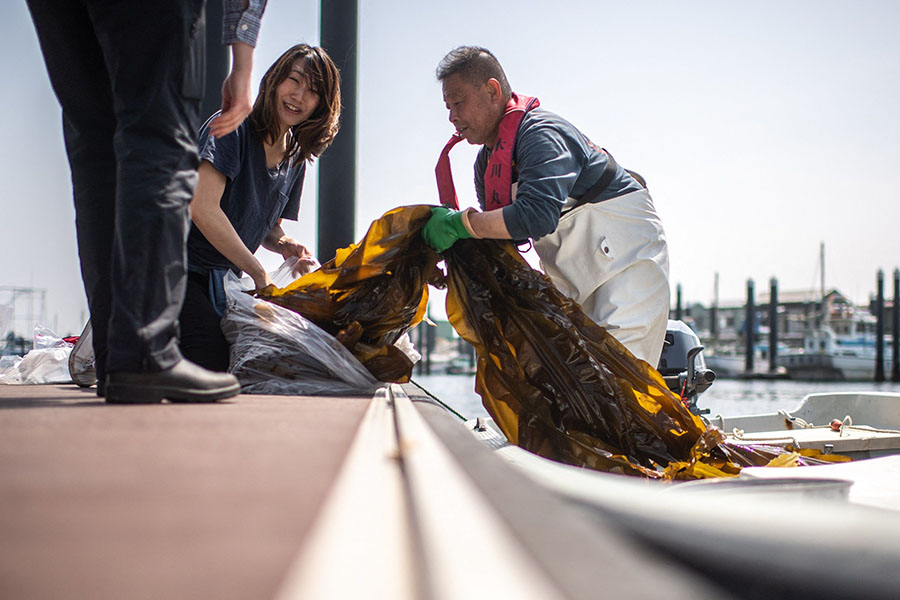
[{"x": 498, "y": 174}]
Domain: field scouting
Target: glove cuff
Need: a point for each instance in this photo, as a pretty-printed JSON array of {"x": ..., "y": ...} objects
[{"x": 464, "y": 217}]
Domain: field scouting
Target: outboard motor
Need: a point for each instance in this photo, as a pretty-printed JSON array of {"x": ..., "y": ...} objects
[{"x": 682, "y": 366}]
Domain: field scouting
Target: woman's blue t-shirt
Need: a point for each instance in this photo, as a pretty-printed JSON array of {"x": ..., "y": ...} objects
[{"x": 255, "y": 196}]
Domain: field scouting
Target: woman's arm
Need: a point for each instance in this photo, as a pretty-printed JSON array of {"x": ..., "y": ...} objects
[
  {"x": 277, "y": 241},
  {"x": 212, "y": 222}
]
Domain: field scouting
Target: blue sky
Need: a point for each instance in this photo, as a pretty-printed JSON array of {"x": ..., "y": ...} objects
[{"x": 763, "y": 128}]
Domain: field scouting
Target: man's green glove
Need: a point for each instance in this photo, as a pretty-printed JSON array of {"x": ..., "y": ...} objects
[{"x": 444, "y": 227}]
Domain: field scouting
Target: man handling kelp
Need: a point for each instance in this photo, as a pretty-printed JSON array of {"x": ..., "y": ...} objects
[
  {"x": 555, "y": 382},
  {"x": 537, "y": 177}
]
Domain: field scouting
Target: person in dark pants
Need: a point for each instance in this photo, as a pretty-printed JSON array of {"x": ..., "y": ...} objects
[
  {"x": 129, "y": 81},
  {"x": 249, "y": 180}
]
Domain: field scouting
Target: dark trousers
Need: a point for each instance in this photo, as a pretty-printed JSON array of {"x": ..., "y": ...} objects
[
  {"x": 202, "y": 340},
  {"x": 128, "y": 75}
]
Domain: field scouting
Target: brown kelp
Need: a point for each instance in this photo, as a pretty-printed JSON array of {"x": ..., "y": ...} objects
[
  {"x": 554, "y": 381},
  {"x": 561, "y": 386},
  {"x": 372, "y": 292}
]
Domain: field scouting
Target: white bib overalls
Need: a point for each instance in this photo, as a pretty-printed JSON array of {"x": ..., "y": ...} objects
[{"x": 611, "y": 257}]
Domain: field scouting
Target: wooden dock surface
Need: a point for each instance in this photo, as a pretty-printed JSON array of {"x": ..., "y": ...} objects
[
  {"x": 289, "y": 498},
  {"x": 161, "y": 501}
]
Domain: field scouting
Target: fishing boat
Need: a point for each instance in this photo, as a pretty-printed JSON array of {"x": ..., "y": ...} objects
[
  {"x": 808, "y": 532},
  {"x": 839, "y": 342},
  {"x": 857, "y": 425},
  {"x": 731, "y": 362},
  {"x": 841, "y": 348}
]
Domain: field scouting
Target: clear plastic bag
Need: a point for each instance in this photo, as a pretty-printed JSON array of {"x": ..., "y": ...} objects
[
  {"x": 9, "y": 370},
  {"x": 277, "y": 351},
  {"x": 48, "y": 362},
  {"x": 290, "y": 270},
  {"x": 371, "y": 293}
]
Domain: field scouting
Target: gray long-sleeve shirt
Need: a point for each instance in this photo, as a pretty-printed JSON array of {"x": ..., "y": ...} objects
[
  {"x": 555, "y": 161},
  {"x": 241, "y": 24}
]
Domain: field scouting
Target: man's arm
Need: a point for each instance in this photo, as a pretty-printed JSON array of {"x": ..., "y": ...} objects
[
  {"x": 547, "y": 172},
  {"x": 240, "y": 30},
  {"x": 237, "y": 99},
  {"x": 488, "y": 225},
  {"x": 484, "y": 224}
]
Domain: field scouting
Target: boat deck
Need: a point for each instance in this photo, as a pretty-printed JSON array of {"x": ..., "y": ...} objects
[
  {"x": 868, "y": 425},
  {"x": 856, "y": 442}
]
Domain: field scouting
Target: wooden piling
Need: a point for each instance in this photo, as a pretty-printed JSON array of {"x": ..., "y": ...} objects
[
  {"x": 895, "y": 330},
  {"x": 773, "y": 325},
  {"x": 879, "y": 327},
  {"x": 749, "y": 328}
]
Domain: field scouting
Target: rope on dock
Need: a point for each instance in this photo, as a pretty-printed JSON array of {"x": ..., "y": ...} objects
[{"x": 436, "y": 399}]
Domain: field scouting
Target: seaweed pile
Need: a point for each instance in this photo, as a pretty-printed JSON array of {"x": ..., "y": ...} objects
[
  {"x": 372, "y": 292},
  {"x": 555, "y": 382}
]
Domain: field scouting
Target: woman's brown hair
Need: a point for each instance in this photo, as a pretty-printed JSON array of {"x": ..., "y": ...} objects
[{"x": 312, "y": 136}]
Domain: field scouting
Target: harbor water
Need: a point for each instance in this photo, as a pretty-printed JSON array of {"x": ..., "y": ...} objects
[{"x": 727, "y": 397}]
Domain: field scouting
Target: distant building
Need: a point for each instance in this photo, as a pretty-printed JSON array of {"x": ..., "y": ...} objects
[{"x": 798, "y": 313}]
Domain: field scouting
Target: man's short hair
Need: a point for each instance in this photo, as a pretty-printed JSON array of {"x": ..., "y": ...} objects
[{"x": 475, "y": 65}]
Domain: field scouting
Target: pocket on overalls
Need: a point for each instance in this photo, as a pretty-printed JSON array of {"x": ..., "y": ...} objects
[{"x": 579, "y": 255}]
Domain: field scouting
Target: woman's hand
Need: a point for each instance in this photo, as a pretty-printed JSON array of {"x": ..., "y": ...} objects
[
  {"x": 261, "y": 279},
  {"x": 289, "y": 247},
  {"x": 306, "y": 262},
  {"x": 278, "y": 241}
]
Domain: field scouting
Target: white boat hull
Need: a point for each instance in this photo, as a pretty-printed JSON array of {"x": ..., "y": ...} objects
[
  {"x": 829, "y": 367},
  {"x": 815, "y": 532}
]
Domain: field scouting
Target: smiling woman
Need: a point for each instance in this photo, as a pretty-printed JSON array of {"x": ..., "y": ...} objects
[
  {"x": 248, "y": 182},
  {"x": 301, "y": 92}
]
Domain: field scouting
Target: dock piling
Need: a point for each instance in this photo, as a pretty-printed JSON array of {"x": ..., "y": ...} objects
[
  {"x": 714, "y": 313},
  {"x": 678, "y": 302},
  {"x": 773, "y": 325},
  {"x": 895, "y": 330},
  {"x": 749, "y": 328},
  {"x": 338, "y": 28},
  {"x": 879, "y": 327}
]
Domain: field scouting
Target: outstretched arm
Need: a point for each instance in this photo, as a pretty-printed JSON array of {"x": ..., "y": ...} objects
[
  {"x": 446, "y": 226},
  {"x": 236, "y": 95},
  {"x": 488, "y": 225},
  {"x": 240, "y": 26}
]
